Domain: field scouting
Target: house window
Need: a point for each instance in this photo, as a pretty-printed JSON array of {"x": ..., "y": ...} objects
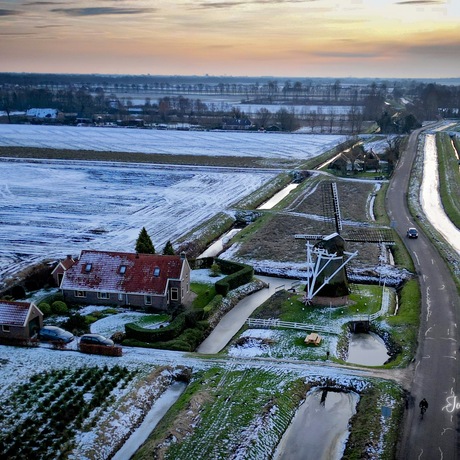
[
  {"x": 5, "y": 328},
  {"x": 88, "y": 268},
  {"x": 80, "y": 293},
  {"x": 148, "y": 300},
  {"x": 120, "y": 296},
  {"x": 122, "y": 269},
  {"x": 174, "y": 294},
  {"x": 103, "y": 295},
  {"x": 156, "y": 271}
]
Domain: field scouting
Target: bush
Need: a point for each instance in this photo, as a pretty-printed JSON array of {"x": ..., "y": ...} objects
[
  {"x": 45, "y": 308},
  {"x": 59, "y": 308},
  {"x": 77, "y": 324},
  {"x": 239, "y": 274}
]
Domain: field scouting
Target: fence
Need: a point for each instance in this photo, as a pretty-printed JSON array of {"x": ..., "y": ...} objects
[{"x": 268, "y": 323}]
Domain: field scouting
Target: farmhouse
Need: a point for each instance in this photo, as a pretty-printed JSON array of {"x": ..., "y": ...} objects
[
  {"x": 149, "y": 281},
  {"x": 19, "y": 320}
]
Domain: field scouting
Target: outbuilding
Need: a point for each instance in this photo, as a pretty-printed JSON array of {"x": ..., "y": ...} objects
[{"x": 19, "y": 320}]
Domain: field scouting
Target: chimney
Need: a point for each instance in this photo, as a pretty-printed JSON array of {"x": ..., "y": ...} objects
[{"x": 69, "y": 256}]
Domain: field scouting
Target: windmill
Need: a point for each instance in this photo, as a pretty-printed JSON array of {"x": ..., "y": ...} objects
[{"x": 327, "y": 259}]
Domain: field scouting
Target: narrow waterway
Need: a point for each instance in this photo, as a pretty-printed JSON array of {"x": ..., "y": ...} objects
[
  {"x": 430, "y": 199},
  {"x": 367, "y": 349},
  {"x": 319, "y": 429},
  {"x": 231, "y": 323},
  {"x": 156, "y": 413},
  {"x": 277, "y": 197},
  {"x": 218, "y": 246}
]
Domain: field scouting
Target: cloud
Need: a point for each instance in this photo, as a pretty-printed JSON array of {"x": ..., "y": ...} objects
[
  {"x": 9, "y": 12},
  {"x": 232, "y": 4},
  {"x": 44, "y": 3},
  {"x": 420, "y": 2},
  {"x": 347, "y": 55},
  {"x": 101, "y": 11}
]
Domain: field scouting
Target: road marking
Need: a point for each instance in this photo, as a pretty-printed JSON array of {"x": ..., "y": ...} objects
[
  {"x": 416, "y": 256},
  {"x": 446, "y": 429},
  {"x": 428, "y": 330},
  {"x": 428, "y": 303}
]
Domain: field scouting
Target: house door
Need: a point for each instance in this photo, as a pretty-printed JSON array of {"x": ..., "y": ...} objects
[{"x": 34, "y": 327}]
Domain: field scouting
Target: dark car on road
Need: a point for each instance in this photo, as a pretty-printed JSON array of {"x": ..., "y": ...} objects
[
  {"x": 96, "y": 339},
  {"x": 55, "y": 334},
  {"x": 412, "y": 233}
]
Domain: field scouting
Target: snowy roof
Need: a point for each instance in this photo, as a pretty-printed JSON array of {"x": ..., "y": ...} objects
[
  {"x": 122, "y": 272},
  {"x": 14, "y": 313},
  {"x": 65, "y": 264}
]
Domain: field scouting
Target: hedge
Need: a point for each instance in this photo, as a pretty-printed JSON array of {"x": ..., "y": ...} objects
[
  {"x": 164, "y": 334},
  {"x": 239, "y": 274},
  {"x": 100, "y": 349},
  {"x": 212, "y": 306}
]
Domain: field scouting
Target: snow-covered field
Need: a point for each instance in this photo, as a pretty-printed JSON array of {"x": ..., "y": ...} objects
[
  {"x": 170, "y": 142},
  {"x": 52, "y": 208}
]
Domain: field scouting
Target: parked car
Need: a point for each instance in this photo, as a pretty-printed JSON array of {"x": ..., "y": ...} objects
[
  {"x": 412, "y": 233},
  {"x": 96, "y": 339},
  {"x": 55, "y": 334}
]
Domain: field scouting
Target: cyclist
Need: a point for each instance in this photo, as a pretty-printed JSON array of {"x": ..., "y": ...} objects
[{"x": 423, "y": 406}]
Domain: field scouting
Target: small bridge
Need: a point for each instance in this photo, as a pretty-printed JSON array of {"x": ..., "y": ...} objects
[
  {"x": 271, "y": 323},
  {"x": 362, "y": 322}
]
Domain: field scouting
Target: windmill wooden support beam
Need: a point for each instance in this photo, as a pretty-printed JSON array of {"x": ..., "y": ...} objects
[{"x": 317, "y": 261}]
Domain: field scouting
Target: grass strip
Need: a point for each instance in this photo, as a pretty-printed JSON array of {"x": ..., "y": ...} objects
[{"x": 449, "y": 177}]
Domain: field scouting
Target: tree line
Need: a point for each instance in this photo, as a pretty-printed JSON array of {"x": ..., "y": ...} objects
[{"x": 396, "y": 106}]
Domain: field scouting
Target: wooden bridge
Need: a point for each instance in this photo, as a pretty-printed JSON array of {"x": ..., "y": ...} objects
[{"x": 271, "y": 323}]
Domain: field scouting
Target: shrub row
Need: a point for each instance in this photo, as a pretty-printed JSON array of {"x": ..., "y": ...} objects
[
  {"x": 187, "y": 341},
  {"x": 18, "y": 342},
  {"x": 212, "y": 306},
  {"x": 239, "y": 274},
  {"x": 174, "y": 329},
  {"x": 100, "y": 350}
]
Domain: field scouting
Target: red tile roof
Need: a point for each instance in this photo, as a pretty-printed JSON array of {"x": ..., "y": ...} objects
[
  {"x": 139, "y": 277},
  {"x": 14, "y": 313},
  {"x": 67, "y": 263}
]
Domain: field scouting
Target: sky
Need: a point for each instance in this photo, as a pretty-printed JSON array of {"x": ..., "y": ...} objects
[{"x": 284, "y": 38}]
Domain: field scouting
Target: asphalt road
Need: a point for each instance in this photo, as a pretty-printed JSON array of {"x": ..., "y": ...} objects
[{"x": 436, "y": 366}]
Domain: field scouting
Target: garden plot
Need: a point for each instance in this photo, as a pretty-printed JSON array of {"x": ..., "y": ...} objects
[
  {"x": 52, "y": 208},
  {"x": 171, "y": 142}
]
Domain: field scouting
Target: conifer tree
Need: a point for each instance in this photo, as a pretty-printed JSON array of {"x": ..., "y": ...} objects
[
  {"x": 144, "y": 244},
  {"x": 168, "y": 249}
]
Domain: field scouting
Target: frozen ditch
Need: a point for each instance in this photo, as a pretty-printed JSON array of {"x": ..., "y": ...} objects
[
  {"x": 319, "y": 429},
  {"x": 156, "y": 413},
  {"x": 367, "y": 349}
]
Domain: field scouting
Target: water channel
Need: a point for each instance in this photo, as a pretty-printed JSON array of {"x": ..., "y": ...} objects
[
  {"x": 277, "y": 197},
  {"x": 156, "y": 413},
  {"x": 319, "y": 429},
  {"x": 367, "y": 349}
]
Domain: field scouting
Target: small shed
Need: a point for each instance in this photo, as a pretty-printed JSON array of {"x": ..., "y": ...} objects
[
  {"x": 19, "y": 320},
  {"x": 313, "y": 338}
]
